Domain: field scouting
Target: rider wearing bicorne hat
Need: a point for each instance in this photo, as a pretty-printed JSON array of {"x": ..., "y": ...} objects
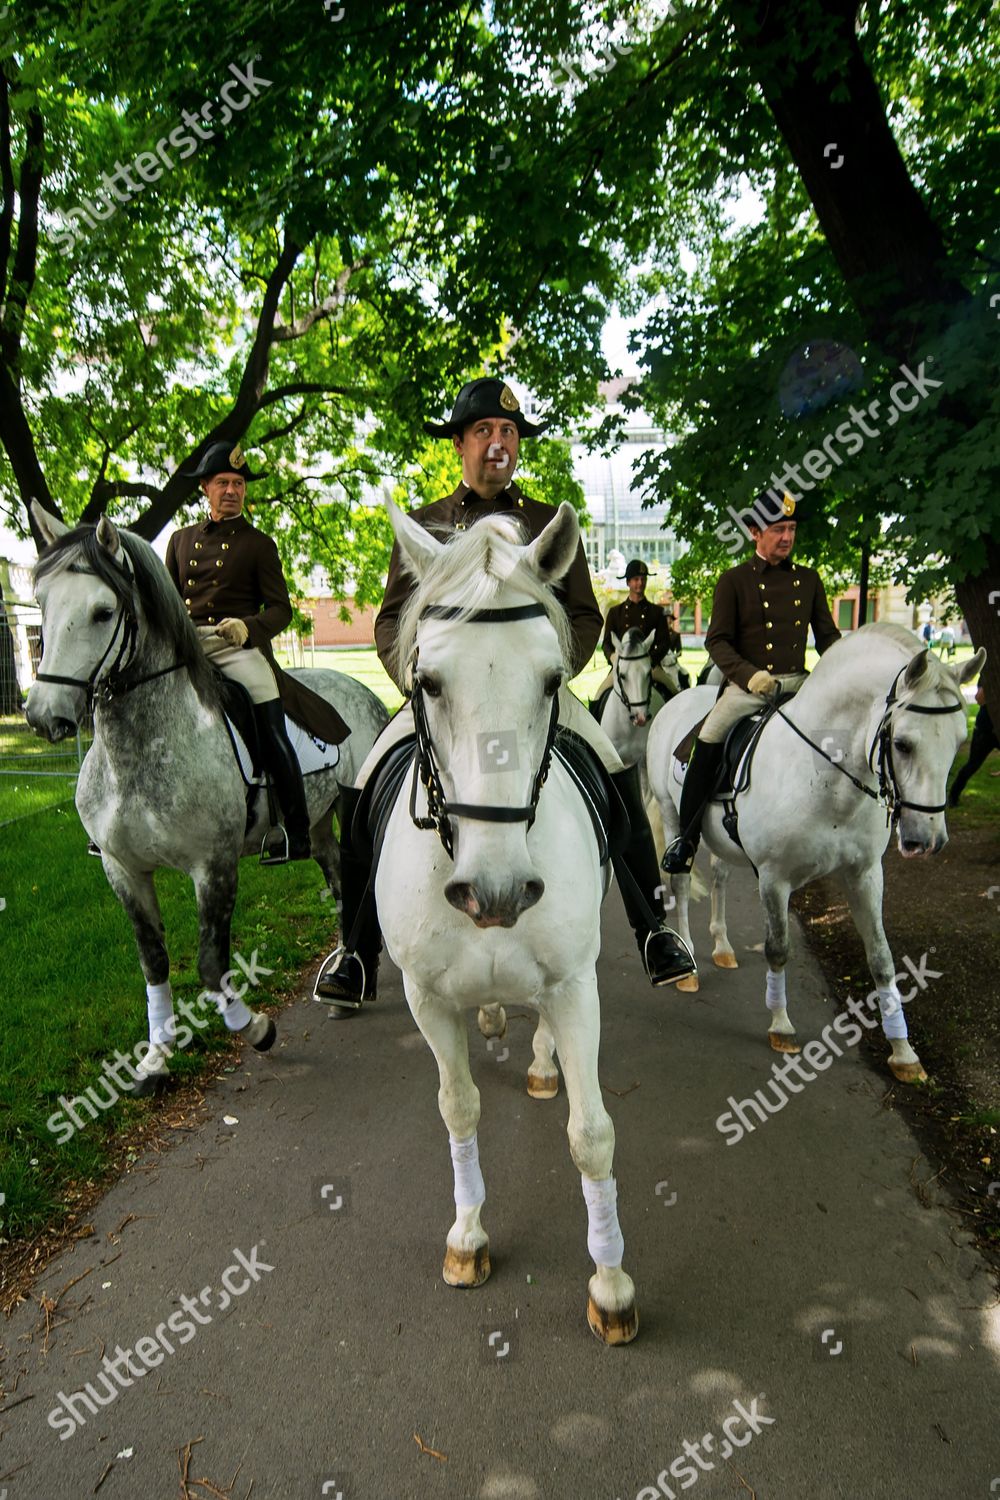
[
  {"x": 486, "y": 427},
  {"x": 230, "y": 578},
  {"x": 761, "y": 614}
]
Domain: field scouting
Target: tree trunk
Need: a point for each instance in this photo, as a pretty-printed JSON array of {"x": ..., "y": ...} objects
[{"x": 805, "y": 56}]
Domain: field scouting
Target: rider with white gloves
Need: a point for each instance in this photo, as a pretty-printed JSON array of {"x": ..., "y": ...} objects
[{"x": 761, "y": 615}]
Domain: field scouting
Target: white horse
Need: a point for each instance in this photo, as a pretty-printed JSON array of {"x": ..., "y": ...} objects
[
  {"x": 502, "y": 903},
  {"x": 160, "y": 785},
  {"x": 632, "y": 702},
  {"x": 868, "y": 739}
]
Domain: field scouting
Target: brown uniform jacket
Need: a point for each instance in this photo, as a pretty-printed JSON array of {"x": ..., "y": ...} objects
[
  {"x": 644, "y": 616},
  {"x": 760, "y": 618},
  {"x": 230, "y": 570},
  {"x": 460, "y": 510}
]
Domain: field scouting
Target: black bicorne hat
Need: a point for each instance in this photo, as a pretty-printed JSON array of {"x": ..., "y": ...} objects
[
  {"x": 772, "y": 506},
  {"x": 635, "y": 567},
  {"x": 221, "y": 458},
  {"x": 484, "y": 398}
]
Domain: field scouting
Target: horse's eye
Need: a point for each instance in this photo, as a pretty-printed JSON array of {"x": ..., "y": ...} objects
[
  {"x": 103, "y": 614},
  {"x": 903, "y": 746},
  {"x": 429, "y": 686},
  {"x": 553, "y": 684}
]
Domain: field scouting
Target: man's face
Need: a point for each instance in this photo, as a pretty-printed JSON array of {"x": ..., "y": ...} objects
[
  {"x": 488, "y": 450},
  {"x": 775, "y": 542},
  {"x": 225, "y": 494},
  {"x": 637, "y": 587}
]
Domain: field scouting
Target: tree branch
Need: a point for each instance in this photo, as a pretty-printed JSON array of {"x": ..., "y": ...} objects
[{"x": 296, "y": 329}]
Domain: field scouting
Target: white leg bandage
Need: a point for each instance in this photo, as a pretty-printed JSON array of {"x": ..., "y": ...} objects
[
  {"x": 893, "y": 1020},
  {"x": 604, "y": 1236},
  {"x": 775, "y": 994},
  {"x": 235, "y": 1012},
  {"x": 160, "y": 1011},
  {"x": 470, "y": 1189}
]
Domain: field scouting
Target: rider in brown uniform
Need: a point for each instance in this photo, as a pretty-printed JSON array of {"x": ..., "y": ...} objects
[
  {"x": 639, "y": 613},
  {"x": 761, "y": 614},
  {"x": 230, "y": 577},
  {"x": 486, "y": 426}
]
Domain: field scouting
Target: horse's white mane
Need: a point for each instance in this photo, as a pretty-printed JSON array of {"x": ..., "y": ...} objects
[
  {"x": 901, "y": 646},
  {"x": 471, "y": 573}
]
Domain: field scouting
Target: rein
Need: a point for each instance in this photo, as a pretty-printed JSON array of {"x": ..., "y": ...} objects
[
  {"x": 114, "y": 683},
  {"x": 439, "y": 809},
  {"x": 888, "y": 794}
]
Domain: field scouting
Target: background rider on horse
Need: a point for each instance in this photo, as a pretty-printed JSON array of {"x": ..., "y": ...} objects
[
  {"x": 639, "y": 613},
  {"x": 230, "y": 578},
  {"x": 761, "y": 614},
  {"x": 486, "y": 426}
]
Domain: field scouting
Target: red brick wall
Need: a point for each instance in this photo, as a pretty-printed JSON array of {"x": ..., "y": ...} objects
[{"x": 330, "y": 629}]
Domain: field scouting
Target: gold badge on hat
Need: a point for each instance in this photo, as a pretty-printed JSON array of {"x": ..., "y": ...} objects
[
  {"x": 236, "y": 458},
  {"x": 788, "y": 505},
  {"x": 508, "y": 400}
]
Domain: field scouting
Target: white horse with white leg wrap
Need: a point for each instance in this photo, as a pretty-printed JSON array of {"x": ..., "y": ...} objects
[
  {"x": 489, "y": 885},
  {"x": 865, "y": 745}
]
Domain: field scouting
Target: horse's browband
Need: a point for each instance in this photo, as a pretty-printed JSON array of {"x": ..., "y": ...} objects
[{"x": 483, "y": 616}]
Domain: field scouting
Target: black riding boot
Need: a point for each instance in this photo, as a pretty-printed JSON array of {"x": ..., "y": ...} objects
[
  {"x": 699, "y": 784},
  {"x": 351, "y": 976},
  {"x": 665, "y": 957},
  {"x": 282, "y": 766}
]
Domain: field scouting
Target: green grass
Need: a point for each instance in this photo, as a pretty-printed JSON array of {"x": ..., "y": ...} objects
[{"x": 73, "y": 992}]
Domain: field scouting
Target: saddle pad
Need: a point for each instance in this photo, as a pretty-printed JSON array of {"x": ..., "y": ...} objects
[{"x": 312, "y": 754}]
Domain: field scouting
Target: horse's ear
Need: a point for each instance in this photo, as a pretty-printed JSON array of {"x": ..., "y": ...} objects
[
  {"x": 648, "y": 642},
  {"x": 915, "y": 669},
  {"x": 552, "y": 552},
  {"x": 962, "y": 671},
  {"x": 615, "y": 642},
  {"x": 415, "y": 541},
  {"x": 50, "y": 526},
  {"x": 108, "y": 537}
]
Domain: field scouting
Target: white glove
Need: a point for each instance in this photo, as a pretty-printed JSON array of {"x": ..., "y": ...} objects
[
  {"x": 763, "y": 684},
  {"x": 233, "y": 632}
]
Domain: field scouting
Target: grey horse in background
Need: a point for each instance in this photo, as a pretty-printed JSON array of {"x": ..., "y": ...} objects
[{"x": 160, "y": 784}]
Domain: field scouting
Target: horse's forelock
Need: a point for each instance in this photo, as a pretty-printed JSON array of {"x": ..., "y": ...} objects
[{"x": 471, "y": 573}]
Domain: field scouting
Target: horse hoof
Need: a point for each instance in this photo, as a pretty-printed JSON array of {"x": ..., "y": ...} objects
[
  {"x": 782, "y": 1041},
  {"x": 147, "y": 1086},
  {"x": 725, "y": 960},
  {"x": 689, "y": 984},
  {"x": 908, "y": 1072},
  {"x": 260, "y": 1032},
  {"x": 543, "y": 1086},
  {"x": 466, "y": 1268},
  {"x": 615, "y": 1327}
]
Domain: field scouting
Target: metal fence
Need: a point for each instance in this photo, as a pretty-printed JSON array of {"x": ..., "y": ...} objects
[{"x": 22, "y": 753}]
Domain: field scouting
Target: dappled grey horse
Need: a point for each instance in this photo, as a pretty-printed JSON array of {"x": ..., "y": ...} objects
[{"x": 161, "y": 784}]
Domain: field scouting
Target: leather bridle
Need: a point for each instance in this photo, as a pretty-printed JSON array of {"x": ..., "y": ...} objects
[
  {"x": 879, "y": 758},
  {"x": 425, "y": 765},
  {"x": 631, "y": 703},
  {"x": 114, "y": 683}
]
